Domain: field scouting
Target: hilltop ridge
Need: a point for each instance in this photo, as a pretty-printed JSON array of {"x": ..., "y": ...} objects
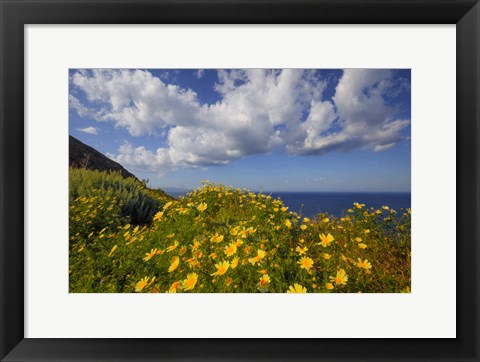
[{"x": 84, "y": 156}]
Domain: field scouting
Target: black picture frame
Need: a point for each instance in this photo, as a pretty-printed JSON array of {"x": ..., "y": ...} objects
[{"x": 15, "y": 14}]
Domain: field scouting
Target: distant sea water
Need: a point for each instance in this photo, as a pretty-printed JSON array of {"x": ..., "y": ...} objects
[{"x": 336, "y": 203}]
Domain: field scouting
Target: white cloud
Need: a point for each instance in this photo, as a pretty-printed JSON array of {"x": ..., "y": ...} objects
[
  {"x": 89, "y": 130},
  {"x": 74, "y": 103},
  {"x": 199, "y": 73},
  {"x": 259, "y": 111},
  {"x": 137, "y": 101},
  {"x": 363, "y": 117},
  {"x": 139, "y": 158}
]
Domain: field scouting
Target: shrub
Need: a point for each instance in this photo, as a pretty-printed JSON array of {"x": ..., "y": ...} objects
[{"x": 137, "y": 205}]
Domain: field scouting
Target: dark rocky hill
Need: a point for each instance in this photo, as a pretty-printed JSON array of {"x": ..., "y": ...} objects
[{"x": 83, "y": 156}]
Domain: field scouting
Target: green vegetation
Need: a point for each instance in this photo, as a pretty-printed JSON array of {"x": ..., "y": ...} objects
[
  {"x": 220, "y": 239},
  {"x": 137, "y": 203}
]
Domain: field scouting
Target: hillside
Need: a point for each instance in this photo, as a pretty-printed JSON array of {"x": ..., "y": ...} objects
[
  {"x": 218, "y": 239},
  {"x": 83, "y": 156}
]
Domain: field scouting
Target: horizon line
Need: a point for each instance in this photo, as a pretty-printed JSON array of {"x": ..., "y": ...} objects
[{"x": 291, "y": 191}]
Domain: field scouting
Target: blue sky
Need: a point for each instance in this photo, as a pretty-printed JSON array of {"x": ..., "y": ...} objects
[{"x": 261, "y": 129}]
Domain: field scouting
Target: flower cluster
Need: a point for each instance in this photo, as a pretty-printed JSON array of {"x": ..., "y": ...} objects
[{"x": 221, "y": 239}]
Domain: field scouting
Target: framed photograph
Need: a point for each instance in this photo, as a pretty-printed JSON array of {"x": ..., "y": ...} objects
[{"x": 239, "y": 180}]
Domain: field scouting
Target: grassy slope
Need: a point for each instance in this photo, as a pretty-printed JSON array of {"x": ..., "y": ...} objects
[{"x": 219, "y": 239}]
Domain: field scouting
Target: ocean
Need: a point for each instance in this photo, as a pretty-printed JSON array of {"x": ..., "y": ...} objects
[{"x": 336, "y": 203}]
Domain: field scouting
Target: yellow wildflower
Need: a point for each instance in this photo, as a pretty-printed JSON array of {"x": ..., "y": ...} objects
[
  {"x": 306, "y": 263},
  {"x": 150, "y": 255},
  {"x": 111, "y": 251},
  {"x": 228, "y": 281},
  {"x": 174, "y": 264},
  {"x": 202, "y": 207},
  {"x": 301, "y": 251},
  {"x": 364, "y": 264},
  {"x": 243, "y": 233},
  {"x": 222, "y": 268},
  {"x": 216, "y": 238},
  {"x": 158, "y": 216},
  {"x": 174, "y": 287},
  {"x": 182, "y": 250},
  {"x": 329, "y": 286},
  {"x": 326, "y": 240},
  {"x": 362, "y": 246},
  {"x": 182, "y": 210},
  {"x": 297, "y": 288},
  {"x": 234, "y": 262},
  {"x": 251, "y": 230},
  {"x": 264, "y": 280},
  {"x": 172, "y": 247},
  {"x": 358, "y": 240},
  {"x": 326, "y": 220},
  {"x": 340, "y": 278},
  {"x": 189, "y": 283},
  {"x": 141, "y": 284},
  {"x": 288, "y": 223},
  {"x": 260, "y": 255},
  {"x": 303, "y": 227},
  {"x": 326, "y": 256},
  {"x": 230, "y": 249}
]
